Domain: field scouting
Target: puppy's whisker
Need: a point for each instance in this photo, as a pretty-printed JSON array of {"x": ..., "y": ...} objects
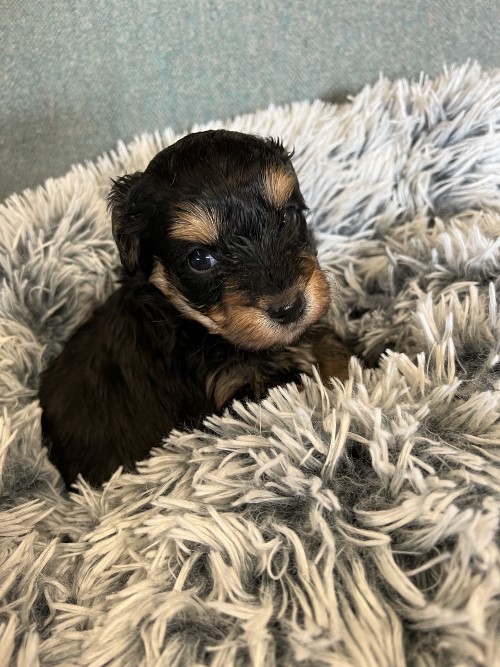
[{"x": 334, "y": 289}]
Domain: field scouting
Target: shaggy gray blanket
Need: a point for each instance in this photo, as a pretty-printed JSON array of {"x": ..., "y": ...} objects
[{"x": 349, "y": 526}]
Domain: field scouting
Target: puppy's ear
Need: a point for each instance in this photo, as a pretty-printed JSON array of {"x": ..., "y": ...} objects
[{"x": 127, "y": 222}]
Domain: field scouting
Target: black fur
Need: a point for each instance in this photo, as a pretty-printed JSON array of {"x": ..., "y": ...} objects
[{"x": 142, "y": 365}]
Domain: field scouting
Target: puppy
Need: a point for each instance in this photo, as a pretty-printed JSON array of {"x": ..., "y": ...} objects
[{"x": 222, "y": 283}]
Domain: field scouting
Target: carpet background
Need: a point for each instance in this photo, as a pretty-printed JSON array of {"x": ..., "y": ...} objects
[{"x": 353, "y": 525}]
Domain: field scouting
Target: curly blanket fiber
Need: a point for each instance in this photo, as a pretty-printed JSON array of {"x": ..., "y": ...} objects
[{"x": 352, "y": 525}]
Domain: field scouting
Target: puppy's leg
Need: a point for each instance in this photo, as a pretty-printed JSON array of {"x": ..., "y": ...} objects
[
  {"x": 330, "y": 354},
  {"x": 251, "y": 377}
]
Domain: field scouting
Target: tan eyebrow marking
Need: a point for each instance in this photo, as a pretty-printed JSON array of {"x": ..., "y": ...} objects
[
  {"x": 196, "y": 224},
  {"x": 278, "y": 186}
]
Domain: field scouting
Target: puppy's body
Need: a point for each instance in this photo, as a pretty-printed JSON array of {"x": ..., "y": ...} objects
[
  {"x": 136, "y": 370},
  {"x": 223, "y": 281}
]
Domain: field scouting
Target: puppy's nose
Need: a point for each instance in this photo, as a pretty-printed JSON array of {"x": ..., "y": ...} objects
[{"x": 286, "y": 313}]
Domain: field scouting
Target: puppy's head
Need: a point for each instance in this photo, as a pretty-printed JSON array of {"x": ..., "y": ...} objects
[{"x": 217, "y": 224}]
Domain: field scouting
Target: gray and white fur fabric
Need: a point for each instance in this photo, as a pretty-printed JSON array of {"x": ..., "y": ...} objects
[{"x": 353, "y": 525}]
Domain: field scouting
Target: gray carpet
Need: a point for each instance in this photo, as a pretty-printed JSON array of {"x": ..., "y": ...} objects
[{"x": 354, "y": 525}]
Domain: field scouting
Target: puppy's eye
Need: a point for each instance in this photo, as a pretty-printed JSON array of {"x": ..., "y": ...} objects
[{"x": 201, "y": 260}]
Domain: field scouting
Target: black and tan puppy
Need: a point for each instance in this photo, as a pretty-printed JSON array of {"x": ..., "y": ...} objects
[{"x": 222, "y": 283}]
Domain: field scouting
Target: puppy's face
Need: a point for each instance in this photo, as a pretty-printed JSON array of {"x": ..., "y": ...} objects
[{"x": 217, "y": 223}]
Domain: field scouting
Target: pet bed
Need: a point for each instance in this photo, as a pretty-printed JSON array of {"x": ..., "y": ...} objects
[{"x": 347, "y": 525}]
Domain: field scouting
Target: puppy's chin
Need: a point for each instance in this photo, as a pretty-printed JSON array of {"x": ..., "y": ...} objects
[{"x": 262, "y": 334}]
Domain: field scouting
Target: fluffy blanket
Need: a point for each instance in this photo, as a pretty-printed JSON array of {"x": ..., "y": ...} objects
[{"x": 349, "y": 525}]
